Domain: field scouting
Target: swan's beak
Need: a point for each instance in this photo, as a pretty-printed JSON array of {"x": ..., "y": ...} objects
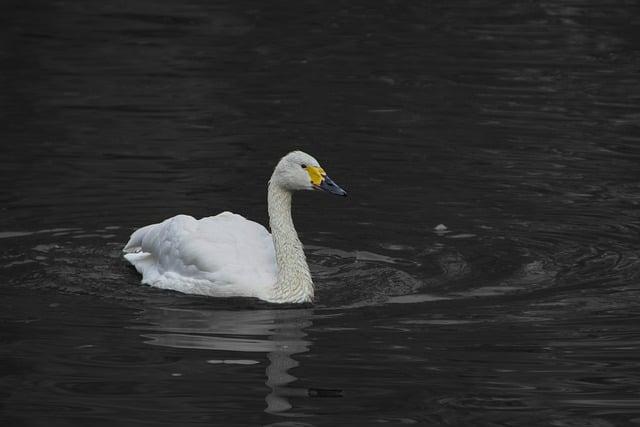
[
  {"x": 321, "y": 181},
  {"x": 331, "y": 187}
]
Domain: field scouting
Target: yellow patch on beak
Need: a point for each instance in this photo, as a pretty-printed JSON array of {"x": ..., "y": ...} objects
[{"x": 316, "y": 174}]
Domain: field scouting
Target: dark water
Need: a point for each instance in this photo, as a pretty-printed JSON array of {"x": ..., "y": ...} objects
[{"x": 514, "y": 124}]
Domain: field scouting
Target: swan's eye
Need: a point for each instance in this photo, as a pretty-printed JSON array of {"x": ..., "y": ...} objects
[{"x": 303, "y": 166}]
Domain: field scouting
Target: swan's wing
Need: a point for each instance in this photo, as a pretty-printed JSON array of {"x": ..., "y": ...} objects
[{"x": 226, "y": 253}]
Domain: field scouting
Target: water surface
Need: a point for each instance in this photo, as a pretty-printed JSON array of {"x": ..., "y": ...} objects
[{"x": 483, "y": 270}]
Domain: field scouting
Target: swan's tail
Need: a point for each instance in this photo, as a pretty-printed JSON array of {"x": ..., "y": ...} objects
[
  {"x": 141, "y": 260},
  {"x": 135, "y": 241},
  {"x": 144, "y": 263}
]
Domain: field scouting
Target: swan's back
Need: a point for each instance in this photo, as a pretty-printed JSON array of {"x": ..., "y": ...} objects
[{"x": 222, "y": 255}]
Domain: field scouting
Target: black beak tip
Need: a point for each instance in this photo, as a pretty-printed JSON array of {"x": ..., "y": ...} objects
[{"x": 331, "y": 187}]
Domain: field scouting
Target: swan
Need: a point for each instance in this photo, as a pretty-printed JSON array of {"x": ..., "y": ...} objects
[{"x": 227, "y": 255}]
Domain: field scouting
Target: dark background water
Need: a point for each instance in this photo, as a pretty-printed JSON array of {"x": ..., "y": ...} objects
[{"x": 515, "y": 124}]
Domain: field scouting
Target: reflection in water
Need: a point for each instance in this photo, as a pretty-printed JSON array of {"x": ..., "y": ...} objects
[{"x": 279, "y": 333}]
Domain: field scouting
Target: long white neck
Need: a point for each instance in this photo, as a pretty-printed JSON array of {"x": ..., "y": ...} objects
[{"x": 294, "y": 282}]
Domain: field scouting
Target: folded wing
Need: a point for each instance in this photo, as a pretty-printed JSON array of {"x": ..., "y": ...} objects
[{"x": 223, "y": 255}]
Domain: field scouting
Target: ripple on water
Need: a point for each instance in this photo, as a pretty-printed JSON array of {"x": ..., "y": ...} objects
[{"x": 357, "y": 278}]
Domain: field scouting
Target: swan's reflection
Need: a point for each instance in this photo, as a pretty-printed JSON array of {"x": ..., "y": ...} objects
[{"x": 239, "y": 331}]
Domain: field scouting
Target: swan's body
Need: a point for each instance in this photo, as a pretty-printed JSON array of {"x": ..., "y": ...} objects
[
  {"x": 227, "y": 255},
  {"x": 222, "y": 255}
]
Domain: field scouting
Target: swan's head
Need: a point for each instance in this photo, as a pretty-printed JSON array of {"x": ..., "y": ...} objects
[{"x": 300, "y": 171}]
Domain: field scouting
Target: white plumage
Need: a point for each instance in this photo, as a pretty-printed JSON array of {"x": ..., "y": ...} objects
[
  {"x": 223, "y": 255},
  {"x": 227, "y": 255}
]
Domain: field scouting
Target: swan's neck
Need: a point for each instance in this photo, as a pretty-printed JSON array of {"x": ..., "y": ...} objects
[{"x": 294, "y": 279}]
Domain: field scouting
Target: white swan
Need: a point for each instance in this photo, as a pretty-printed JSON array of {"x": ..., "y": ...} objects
[{"x": 227, "y": 255}]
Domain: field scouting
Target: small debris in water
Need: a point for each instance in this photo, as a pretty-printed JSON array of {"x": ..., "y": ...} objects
[{"x": 441, "y": 229}]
